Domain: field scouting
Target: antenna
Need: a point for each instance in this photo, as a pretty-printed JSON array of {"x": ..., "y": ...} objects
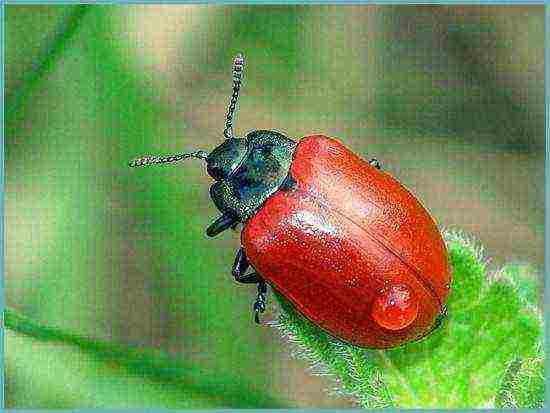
[
  {"x": 238, "y": 66},
  {"x": 165, "y": 159}
]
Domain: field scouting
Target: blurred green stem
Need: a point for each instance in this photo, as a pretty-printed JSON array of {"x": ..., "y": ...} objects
[
  {"x": 21, "y": 324},
  {"x": 221, "y": 387},
  {"x": 47, "y": 57}
]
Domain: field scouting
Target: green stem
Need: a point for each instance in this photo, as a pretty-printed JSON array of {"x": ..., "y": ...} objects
[
  {"x": 152, "y": 364},
  {"x": 47, "y": 57},
  {"x": 24, "y": 325}
]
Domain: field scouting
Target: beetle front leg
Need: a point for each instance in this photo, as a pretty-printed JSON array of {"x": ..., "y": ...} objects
[{"x": 221, "y": 224}]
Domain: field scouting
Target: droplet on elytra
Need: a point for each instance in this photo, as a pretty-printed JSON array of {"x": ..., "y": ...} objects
[{"x": 395, "y": 308}]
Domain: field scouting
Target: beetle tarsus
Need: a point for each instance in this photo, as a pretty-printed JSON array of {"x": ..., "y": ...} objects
[
  {"x": 221, "y": 224},
  {"x": 376, "y": 163},
  {"x": 259, "y": 307},
  {"x": 261, "y": 299}
]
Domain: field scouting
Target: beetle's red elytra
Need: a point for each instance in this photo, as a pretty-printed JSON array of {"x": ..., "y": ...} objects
[
  {"x": 349, "y": 246},
  {"x": 354, "y": 251}
]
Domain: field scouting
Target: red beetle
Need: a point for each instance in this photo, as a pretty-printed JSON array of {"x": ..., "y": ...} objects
[{"x": 351, "y": 248}]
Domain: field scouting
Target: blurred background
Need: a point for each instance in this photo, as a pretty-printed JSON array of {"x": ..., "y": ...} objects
[{"x": 449, "y": 99}]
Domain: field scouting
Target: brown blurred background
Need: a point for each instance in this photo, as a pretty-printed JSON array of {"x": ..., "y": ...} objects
[{"x": 449, "y": 99}]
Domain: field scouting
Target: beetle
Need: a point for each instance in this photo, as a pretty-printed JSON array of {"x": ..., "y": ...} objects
[{"x": 348, "y": 245}]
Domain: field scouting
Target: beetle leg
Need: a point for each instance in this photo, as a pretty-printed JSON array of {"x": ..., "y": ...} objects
[
  {"x": 438, "y": 323},
  {"x": 440, "y": 318},
  {"x": 221, "y": 224},
  {"x": 374, "y": 162},
  {"x": 251, "y": 278},
  {"x": 240, "y": 266},
  {"x": 261, "y": 299}
]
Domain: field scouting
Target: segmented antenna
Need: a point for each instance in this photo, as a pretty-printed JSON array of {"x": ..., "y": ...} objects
[
  {"x": 165, "y": 159},
  {"x": 238, "y": 66}
]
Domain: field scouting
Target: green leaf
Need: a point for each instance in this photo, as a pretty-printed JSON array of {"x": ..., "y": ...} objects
[
  {"x": 63, "y": 369},
  {"x": 521, "y": 276},
  {"x": 523, "y": 383},
  {"x": 459, "y": 365},
  {"x": 355, "y": 375}
]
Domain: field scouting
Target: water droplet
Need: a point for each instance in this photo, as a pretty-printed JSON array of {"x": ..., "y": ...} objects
[{"x": 395, "y": 308}]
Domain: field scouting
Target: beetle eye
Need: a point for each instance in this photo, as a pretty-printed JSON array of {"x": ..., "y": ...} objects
[
  {"x": 215, "y": 172},
  {"x": 395, "y": 308}
]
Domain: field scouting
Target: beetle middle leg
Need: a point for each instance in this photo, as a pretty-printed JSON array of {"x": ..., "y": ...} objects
[
  {"x": 240, "y": 266},
  {"x": 261, "y": 299}
]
